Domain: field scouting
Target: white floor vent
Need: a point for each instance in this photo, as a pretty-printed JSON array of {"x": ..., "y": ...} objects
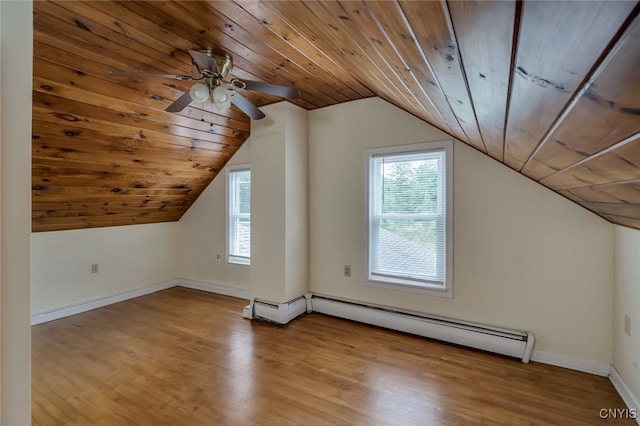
[{"x": 518, "y": 344}]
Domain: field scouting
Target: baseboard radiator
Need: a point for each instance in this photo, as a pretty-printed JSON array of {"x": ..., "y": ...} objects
[
  {"x": 517, "y": 344},
  {"x": 280, "y": 313}
]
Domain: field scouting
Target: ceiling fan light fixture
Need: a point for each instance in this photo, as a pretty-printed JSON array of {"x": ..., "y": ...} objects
[
  {"x": 213, "y": 68},
  {"x": 199, "y": 93},
  {"x": 222, "y": 98}
]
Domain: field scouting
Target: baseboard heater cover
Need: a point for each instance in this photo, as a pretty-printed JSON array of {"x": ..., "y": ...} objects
[
  {"x": 517, "y": 344},
  {"x": 280, "y": 313}
]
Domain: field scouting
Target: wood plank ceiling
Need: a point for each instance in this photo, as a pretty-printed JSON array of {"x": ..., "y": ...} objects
[{"x": 551, "y": 89}]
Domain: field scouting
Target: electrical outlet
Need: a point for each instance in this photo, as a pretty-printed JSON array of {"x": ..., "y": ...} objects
[
  {"x": 94, "y": 268},
  {"x": 627, "y": 325},
  {"x": 218, "y": 260},
  {"x": 347, "y": 270}
]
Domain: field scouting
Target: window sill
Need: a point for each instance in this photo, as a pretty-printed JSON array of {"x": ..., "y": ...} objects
[{"x": 412, "y": 288}]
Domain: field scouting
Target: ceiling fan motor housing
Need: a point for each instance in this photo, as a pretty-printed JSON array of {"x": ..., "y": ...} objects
[{"x": 223, "y": 62}]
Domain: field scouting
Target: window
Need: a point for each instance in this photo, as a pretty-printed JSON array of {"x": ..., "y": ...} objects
[
  {"x": 410, "y": 218},
  {"x": 239, "y": 215}
]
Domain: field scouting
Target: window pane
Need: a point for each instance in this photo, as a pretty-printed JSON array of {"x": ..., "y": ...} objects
[
  {"x": 239, "y": 216},
  {"x": 410, "y": 186},
  {"x": 243, "y": 237},
  {"x": 407, "y": 248},
  {"x": 244, "y": 191},
  {"x": 407, "y": 236}
]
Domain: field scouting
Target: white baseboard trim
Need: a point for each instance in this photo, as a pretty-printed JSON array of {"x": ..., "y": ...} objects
[
  {"x": 77, "y": 308},
  {"x": 572, "y": 363},
  {"x": 625, "y": 393},
  {"x": 240, "y": 293}
]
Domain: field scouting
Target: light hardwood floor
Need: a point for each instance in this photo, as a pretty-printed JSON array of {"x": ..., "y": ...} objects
[{"x": 184, "y": 357}]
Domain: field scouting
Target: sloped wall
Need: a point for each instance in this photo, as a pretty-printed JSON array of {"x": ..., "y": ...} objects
[
  {"x": 524, "y": 257},
  {"x": 202, "y": 235},
  {"x": 277, "y": 153}
]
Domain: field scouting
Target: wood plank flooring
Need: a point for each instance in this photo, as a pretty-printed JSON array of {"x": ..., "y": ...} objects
[{"x": 184, "y": 357}]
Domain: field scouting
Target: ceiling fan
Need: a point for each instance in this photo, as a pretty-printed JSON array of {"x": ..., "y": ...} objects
[{"x": 213, "y": 89}]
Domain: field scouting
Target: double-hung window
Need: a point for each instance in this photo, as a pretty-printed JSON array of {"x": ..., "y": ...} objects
[
  {"x": 239, "y": 215},
  {"x": 410, "y": 217}
]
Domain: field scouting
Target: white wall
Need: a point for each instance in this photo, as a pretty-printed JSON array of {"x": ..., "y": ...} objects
[
  {"x": 129, "y": 258},
  {"x": 524, "y": 257},
  {"x": 268, "y": 208},
  {"x": 16, "y": 38},
  {"x": 626, "y": 349},
  {"x": 277, "y": 153},
  {"x": 296, "y": 258},
  {"x": 202, "y": 235},
  {"x": 279, "y": 240}
]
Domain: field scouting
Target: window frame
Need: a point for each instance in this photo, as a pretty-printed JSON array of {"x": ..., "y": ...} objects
[
  {"x": 234, "y": 259},
  {"x": 396, "y": 283}
]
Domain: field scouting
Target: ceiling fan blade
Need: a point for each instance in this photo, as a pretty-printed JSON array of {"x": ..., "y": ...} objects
[
  {"x": 180, "y": 103},
  {"x": 147, "y": 74},
  {"x": 204, "y": 62},
  {"x": 272, "y": 89},
  {"x": 247, "y": 107}
]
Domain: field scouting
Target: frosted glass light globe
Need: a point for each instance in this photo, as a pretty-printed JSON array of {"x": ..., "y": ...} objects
[
  {"x": 222, "y": 98},
  {"x": 199, "y": 93}
]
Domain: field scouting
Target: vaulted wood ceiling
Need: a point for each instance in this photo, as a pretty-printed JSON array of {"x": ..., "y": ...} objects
[{"x": 551, "y": 89}]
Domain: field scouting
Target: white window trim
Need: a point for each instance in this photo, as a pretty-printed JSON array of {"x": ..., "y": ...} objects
[
  {"x": 399, "y": 284},
  {"x": 228, "y": 256}
]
